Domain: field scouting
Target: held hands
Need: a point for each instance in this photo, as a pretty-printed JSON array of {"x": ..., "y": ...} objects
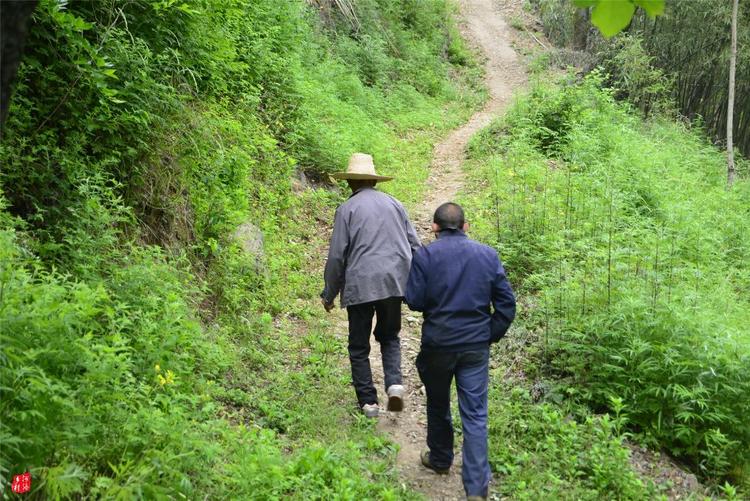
[{"x": 327, "y": 306}]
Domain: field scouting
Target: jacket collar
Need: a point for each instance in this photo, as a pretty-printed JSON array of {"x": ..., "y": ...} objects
[
  {"x": 451, "y": 234},
  {"x": 362, "y": 189}
]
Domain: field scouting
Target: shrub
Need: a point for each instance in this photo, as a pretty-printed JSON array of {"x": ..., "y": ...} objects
[
  {"x": 639, "y": 256},
  {"x": 138, "y": 339}
]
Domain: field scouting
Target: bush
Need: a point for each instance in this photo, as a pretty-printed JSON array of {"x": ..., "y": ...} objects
[
  {"x": 542, "y": 453},
  {"x": 639, "y": 256},
  {"x": 138, "y": 339}
]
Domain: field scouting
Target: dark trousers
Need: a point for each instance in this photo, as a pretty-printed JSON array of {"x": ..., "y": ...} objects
[
  {"x": 471, "y": 370},
  {"x": 388, "y": 326}
]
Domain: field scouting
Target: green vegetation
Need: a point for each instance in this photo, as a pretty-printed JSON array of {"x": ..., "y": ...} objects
[
  {"x": 696, "y": 73},
  {"x": 152, "y": 350},
  {"x": 637, "y": 262},
  {"x": 541, "y": 453},
  {"x": 144, "y": 353}
]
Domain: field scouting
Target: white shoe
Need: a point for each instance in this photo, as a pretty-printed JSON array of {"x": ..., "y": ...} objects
[
  {"x": 370, "y": 410},
  {"x": 395, "y": 398}
]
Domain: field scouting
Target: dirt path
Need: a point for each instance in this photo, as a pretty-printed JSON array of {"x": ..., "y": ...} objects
[{"x": 483, "y": 25}]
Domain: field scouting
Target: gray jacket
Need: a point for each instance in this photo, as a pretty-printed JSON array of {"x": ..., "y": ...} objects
[{"x": 371, "y": 249}]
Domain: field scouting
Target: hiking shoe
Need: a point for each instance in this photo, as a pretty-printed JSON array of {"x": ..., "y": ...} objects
[
  {"x": 395, "y": 398},
  {"x": 370, "y": 410},
  {"x": 425, "y": 456}
]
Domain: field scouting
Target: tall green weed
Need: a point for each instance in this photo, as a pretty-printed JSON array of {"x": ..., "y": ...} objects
[
  {"x": 144, "y": 353},
  {"x": 640, "y": 258}
]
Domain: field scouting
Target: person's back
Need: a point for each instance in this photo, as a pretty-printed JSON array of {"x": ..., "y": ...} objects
[
  {"x": 368, "y": 263},
  {"x": 379, "y": 252},
  {"x": 461, "y": 287},
  {"x": 456, "y": 304}
]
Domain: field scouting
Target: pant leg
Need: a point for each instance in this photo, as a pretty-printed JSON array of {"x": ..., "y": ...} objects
[
  {"x": 360, "y": 327},
  {"x": 472, "y": 378},
  {"x": 436, "y": 372},
  {"x": 387, "y": 328}
]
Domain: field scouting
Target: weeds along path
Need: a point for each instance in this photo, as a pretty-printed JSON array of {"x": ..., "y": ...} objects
[{"x": 483, "y": 25}]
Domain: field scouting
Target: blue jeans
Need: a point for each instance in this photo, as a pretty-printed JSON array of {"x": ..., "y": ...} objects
[{"x": 471, "y": 370}]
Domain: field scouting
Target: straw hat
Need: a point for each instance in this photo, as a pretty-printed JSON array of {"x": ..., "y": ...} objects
[{"x": 361, "y": 166}]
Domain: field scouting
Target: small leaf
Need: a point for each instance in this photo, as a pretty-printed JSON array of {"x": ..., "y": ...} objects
[
  {"x": 652, "y": 7},
  {"x": 612, "y": 16}
]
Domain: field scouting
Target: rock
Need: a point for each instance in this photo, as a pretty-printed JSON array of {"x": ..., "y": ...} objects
[
  {"x": 250, "y": 239},
  {"x": 300, "y": 182},
  {"x": 692, "y": 483},
  {"x": 412, "y": 320}
]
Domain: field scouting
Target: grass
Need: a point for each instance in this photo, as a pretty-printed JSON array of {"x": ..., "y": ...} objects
[
  {"x": 636, "y": 258},
  {"x": 144, "y": 353}
]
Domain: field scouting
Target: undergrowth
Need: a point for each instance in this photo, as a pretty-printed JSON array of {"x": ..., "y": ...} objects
[
  {"x": 638, "y": 260},
  {"x": 147, "y": 352}
]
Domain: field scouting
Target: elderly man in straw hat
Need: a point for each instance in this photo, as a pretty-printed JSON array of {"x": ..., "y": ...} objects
[{"x": 368, "y": 263}]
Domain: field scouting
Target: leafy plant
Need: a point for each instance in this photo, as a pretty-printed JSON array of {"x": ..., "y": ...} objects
[
  {"x": 145, "y": 352},
  {"x": 638, "y": 259},
  {"x": 612, "y": 16}
]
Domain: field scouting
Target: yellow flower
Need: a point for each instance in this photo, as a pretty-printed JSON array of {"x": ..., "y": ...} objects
[
  {"x": 169, "y": 379},
  {"x": 157, "y": 367}
]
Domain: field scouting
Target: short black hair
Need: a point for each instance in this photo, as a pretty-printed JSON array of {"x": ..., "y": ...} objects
[
  {"x": 449, "y": 216},
  {"x": 356, "y": 184}
]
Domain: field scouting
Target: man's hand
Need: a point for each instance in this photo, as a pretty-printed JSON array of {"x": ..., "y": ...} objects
[{"x": 327, "y": 306}]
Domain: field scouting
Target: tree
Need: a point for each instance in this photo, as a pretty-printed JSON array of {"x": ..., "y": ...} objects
[
  {"x": 581, "y": 27},
  {"x": 730, "y": 104}
]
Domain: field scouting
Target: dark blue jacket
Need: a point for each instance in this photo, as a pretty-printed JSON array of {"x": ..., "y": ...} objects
[{"x": 453, "y": 281}]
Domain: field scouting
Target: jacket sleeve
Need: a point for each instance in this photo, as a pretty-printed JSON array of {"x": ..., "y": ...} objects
[
  {"x": 411, "y": 233},
  {"x": 336, "y": 263},
  {"x": 416, "y": 286},
  {"x": 503, "y": 302}
]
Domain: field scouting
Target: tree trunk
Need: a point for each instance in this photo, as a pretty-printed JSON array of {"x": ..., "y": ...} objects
[
  {"x": 730, "y": 105},
  {"x": 14, "y": 21},
  {"x": 581, "y": 27}
]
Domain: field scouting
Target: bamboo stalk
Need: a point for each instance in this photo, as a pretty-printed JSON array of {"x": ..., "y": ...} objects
[
  {"x": 730, "y": 98},
  {"x": 609, "y": 252},
  {"x": 656, "y": 270}
]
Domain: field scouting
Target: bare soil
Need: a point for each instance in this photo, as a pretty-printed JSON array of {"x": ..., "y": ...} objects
[{"x": 484, "y": 26}]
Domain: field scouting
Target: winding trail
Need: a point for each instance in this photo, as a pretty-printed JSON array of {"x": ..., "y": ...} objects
[{"x": 483, "y": 25}]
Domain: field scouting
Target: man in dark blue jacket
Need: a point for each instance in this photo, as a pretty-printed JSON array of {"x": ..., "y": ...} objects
[{"x": 461, "y": 287}]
